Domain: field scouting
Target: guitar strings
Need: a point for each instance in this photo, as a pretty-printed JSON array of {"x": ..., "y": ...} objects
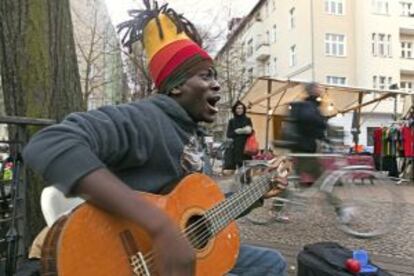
[{"x": 149, "y": 257}]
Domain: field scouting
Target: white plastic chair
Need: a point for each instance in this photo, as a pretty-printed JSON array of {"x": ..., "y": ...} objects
[{"x": 54, "y": 204}]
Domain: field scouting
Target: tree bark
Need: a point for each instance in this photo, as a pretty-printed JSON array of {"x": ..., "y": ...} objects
[{"x": 40, "y": 76}]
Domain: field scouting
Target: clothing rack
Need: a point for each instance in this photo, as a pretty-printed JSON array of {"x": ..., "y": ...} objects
[{"x": 395, "y": 141}]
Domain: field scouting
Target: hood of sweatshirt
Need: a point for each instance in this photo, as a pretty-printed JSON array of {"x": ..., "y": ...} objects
[{"x": 175, "y": 111}]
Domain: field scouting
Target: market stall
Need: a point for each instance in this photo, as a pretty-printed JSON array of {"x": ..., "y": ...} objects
[{"x": 268, "y": 103}]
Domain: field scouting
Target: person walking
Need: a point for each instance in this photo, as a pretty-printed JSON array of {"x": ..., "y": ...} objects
[{"x": 309, "y": 126}]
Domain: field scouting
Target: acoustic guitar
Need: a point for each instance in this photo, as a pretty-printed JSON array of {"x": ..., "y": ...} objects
[{"x": 90, "y": 241}]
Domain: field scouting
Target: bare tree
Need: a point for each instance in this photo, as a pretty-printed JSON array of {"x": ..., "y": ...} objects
[
  {"x": 95, "y": 45},
  {"x": 137, "y": 67},
  {"x": 232, "y": 74},
  {"x": 211, "y": 39}
]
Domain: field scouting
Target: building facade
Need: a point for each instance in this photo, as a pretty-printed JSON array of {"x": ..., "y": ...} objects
[{"x": 367, "y": 44}]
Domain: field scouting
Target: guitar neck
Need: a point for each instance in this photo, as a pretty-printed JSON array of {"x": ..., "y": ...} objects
[{"x": 231, "y": 208}]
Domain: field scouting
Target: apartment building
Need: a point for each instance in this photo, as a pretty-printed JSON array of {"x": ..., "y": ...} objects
[{"x": 367, "y": 44}]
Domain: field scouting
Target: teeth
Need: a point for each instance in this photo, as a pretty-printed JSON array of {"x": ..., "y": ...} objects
[{"x": 212, "y": 107}]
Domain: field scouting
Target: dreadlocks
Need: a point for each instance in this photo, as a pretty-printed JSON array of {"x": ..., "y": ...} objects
[{"x": 140, "y": 18}]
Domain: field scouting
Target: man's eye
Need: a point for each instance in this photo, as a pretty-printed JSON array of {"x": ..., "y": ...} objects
[
  {"x": 206, "y": 76},
  {"x": 209, "y": 75}
]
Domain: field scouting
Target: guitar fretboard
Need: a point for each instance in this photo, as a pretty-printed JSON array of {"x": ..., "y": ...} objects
[{"x": 228, "y": 210}]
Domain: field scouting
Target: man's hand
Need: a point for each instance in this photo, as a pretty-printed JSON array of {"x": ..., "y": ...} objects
[
  {"x": 280, "y": 167},
  {"x": 173, "y": 253}
]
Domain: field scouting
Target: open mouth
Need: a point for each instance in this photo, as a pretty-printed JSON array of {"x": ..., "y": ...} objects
[{"x": 211, "y": 103}]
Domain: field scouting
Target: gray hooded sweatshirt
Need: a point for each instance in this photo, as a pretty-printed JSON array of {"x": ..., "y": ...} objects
[{"x": 148, "y": 144}]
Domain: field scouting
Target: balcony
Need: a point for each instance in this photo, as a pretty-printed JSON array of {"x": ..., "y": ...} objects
[
  {"x": 407, "y": 65},
  {"x": 407, "y": 25},
  {"x": 262, "y": 51}
]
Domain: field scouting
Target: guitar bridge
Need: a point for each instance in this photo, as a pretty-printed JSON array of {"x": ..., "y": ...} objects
[
  {"x": 139, "y": 265},
  {"x": 136, "y": 259}
]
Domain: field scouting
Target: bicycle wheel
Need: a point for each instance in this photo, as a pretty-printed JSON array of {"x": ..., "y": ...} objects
[{"x": 366, "y": 203}]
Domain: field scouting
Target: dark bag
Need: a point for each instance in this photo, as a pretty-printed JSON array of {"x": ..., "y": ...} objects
[
  {"x": 328, "y": 259},
  {"x": 29, "y": 267}
]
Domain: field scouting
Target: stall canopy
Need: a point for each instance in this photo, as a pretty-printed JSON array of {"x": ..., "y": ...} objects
[{"x": 272, "y": 96}]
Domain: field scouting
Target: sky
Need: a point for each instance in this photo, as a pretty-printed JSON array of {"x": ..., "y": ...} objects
[{"x": 211, "y": 14}]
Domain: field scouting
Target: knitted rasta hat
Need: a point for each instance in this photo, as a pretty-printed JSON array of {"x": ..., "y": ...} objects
[{"x": 171, "y": 43}]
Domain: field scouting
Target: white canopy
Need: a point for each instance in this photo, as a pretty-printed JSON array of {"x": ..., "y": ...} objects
[
  {"x": 336, "y": 99},
  {"x": 269, "y": 97}
]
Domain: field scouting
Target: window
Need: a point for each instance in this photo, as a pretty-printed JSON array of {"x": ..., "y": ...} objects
[
  {"x": 374, "y": 44},
  {"x": 407, "y": 86},
  {"x": 380, "y": 6},
  {"x": 407, "y": 49},
  {"x": 389, "y": 50},
  {"x": 336, "y": 80},
  {"x": 274, "y": 33},
  {"x": 273, "y": 4},
  {"x": 335, "y": 7},
  {"x": 407, "y": 8},
  {"x": 292, "y": 56},
  {"x": 292, "y": 18},
  {"x": 382, "y": 82},
  {"x": 381, "y": 45},
  {"x": 335, "y": 45},
  {"x": 274, "y": 67},
  {"x": 267, "y": 37},
  {"x": 250, "y": 75},
  {"x": 250, "y": 47}
]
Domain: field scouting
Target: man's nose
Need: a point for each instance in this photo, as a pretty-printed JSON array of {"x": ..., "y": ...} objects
[{"x": 215, "y": 86}]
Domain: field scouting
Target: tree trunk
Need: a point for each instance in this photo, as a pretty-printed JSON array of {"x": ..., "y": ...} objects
[{"x": 39, "y": 73}]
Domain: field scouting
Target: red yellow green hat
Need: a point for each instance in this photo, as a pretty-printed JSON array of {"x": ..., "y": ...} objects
[{"x": 171, "y": 43}]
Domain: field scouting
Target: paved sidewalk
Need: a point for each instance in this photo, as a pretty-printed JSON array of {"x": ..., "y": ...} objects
[{"x": 393, "y": 251}]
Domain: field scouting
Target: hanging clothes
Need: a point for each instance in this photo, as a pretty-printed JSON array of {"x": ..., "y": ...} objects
[
  {"x": 377, "y": 141},
  {"x": 396, "y": 141},
  {"x": 407, "y": 134}
]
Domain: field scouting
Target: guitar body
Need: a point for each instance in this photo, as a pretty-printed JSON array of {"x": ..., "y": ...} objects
[{"x": 90, "y": 241}]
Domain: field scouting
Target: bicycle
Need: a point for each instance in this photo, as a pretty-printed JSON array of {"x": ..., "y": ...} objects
[{"x": 364, "y": 202}]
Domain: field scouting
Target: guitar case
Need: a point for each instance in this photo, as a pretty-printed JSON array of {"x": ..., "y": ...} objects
[{"x": 328, "y": 259}]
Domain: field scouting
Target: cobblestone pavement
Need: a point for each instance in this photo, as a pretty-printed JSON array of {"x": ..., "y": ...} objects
[{"x": 314, "y": 224}]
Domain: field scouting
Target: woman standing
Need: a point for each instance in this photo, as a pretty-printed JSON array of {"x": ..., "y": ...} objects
[{"x": 238, "y": 129}]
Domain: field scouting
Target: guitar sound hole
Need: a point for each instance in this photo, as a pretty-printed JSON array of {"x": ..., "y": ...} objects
[{"x": 198, "y": 231}]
